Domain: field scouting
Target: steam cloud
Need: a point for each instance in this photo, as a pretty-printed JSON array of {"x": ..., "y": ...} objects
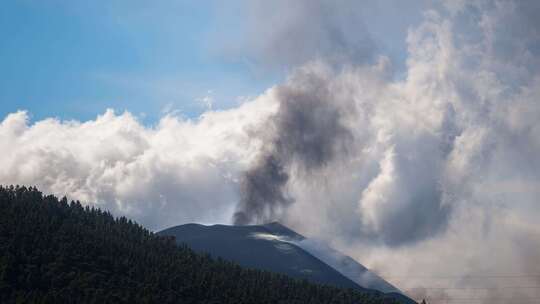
[
  {"x": 435, "y": 170},
  {"x": 162, "y": 175}
]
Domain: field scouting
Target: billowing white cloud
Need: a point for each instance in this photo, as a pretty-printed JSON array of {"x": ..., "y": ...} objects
[{"x": 177, "y": 171}]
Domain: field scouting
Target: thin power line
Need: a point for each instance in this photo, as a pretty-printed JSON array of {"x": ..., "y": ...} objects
[
  {"x": 488, "y": 300},
  {"x": 468, "y": 300},
  {"x": 484, "y": 298},
  {"x": 462, "y": 276},
  {"x": 520, "y": 300},
  {"x": 474, "y": 288}
]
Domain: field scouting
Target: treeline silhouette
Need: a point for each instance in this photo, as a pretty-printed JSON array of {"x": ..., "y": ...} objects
[{"x": 52, "y": 251}]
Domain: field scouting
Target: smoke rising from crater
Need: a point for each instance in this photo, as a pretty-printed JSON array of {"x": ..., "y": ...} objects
[
  {"x": 305, "y": 134},
  {"x": 327, "y": 118}
]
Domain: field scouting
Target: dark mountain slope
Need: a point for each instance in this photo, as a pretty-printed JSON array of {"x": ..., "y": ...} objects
[
  {"x": 255, "y": 247},
  {"x": 276, "y": 248},
  {"x": 52, "y": 251},
  {"x": 335, "y": 259}
]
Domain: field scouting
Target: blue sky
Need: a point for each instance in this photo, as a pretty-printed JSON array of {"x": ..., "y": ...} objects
[{"x": 73, "y": 60}]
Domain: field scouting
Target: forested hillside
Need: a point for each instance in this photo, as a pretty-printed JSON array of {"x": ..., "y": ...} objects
[{"x": 52, "y": 251}]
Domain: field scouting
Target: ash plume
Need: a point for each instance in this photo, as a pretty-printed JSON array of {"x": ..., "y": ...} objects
[
  {"x": 306, "y": 133},
  {"x": 309, "y": 130},
  {"x": 263, "y": 192},
  {"x": 326, "y": 119}
]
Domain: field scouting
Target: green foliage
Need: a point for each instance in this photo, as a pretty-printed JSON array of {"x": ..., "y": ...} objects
[{"x": 52, "y": 251}]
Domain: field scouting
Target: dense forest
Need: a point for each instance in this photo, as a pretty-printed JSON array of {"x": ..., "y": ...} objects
[{"x": 55, "y": 251}]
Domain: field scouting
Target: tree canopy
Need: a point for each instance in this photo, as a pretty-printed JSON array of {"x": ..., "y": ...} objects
[{"x": 55, "y": 251}]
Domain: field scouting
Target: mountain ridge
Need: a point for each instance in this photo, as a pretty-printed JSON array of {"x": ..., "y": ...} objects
[
  {"x": 277, "y": 248},
  {"x": 219, "y": 238},
  {"x": 53, "y": 251}
]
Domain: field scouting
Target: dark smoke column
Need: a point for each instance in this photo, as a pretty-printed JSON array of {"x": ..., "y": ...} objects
[
  {"x": 306, "y": 133},
  {"x": 262, "y": 192}
]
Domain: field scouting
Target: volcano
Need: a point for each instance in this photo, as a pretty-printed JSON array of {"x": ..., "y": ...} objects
[{"x": 276, "y": 248}]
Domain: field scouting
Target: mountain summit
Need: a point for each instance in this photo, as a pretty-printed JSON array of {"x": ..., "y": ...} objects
[{"x": 276, "y": 248}]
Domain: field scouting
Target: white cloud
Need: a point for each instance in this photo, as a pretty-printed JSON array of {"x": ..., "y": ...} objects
[
  {"x": 207, "y": 101},
  {"x": 177, "y": 171}
]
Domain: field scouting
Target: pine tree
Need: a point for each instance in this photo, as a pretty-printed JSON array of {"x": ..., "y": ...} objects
[{"x": 55, "y": 251}]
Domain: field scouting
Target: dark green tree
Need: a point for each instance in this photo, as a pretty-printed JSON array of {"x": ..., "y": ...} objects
[{"x": 55, "y": 251}]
